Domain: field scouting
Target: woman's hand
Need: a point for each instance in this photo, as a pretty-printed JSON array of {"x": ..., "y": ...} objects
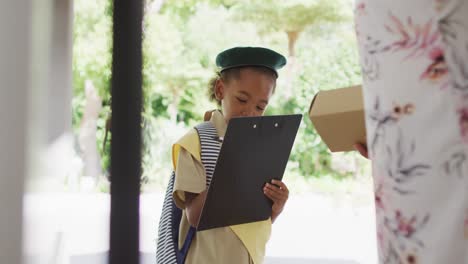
[
  {"x": 278, "y": 192},
  {"x": 362, "y": 148}
]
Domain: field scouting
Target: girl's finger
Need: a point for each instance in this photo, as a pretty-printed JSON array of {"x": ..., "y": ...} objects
[
  {"x": 268, "y": 195},
  {"x": 275, "y": 196},
  {"x": 272, "y": 197},
  {"x": 282, "y": 192},
  {"x": 273, "y": 187},
  {"x": 280, "y": 184},
  {"x": 276, "y": 190}
]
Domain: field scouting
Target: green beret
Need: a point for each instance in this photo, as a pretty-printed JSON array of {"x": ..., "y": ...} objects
[{"x": 250, "y": 56}]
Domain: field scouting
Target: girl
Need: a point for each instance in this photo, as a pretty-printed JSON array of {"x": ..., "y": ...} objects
[{"x": 242, "y": 88}]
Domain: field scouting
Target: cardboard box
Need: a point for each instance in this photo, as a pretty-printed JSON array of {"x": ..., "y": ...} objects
[{"x": 338, "y": 117}]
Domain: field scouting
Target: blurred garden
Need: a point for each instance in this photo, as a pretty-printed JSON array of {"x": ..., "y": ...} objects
[{"x": 181, "y": 40}]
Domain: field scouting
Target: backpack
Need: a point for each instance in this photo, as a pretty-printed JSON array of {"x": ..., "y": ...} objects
[{"x": 168, "y": 251}]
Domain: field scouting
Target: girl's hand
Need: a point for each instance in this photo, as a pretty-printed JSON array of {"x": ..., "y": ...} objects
[{"x": 278, "y": 192}]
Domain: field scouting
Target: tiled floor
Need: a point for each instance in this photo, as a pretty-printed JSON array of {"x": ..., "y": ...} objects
[{"x": 312, "y": 229}]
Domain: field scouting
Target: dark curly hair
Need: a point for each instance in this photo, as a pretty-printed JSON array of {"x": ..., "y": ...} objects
[{"x": 234, "y": 73}]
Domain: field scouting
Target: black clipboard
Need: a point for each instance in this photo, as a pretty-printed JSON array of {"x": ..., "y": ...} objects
[{"x": 255, "y": 150}]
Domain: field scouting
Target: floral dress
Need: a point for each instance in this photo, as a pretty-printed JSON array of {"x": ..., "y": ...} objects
[{"x": 414, "y": 59}]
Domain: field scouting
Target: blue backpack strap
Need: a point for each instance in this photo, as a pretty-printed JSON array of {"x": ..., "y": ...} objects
[
  {"x": 183, "y": 252},
  {"x": 169, "y": 224}
]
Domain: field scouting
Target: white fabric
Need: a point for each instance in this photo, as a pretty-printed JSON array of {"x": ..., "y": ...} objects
[{"x": 414, "y": 57}]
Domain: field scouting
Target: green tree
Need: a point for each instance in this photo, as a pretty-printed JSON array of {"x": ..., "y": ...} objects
[
  {"x": 181, "y": 39},
  {"x": 92, "y": 47},
  {"x": 292, "y": 17}
]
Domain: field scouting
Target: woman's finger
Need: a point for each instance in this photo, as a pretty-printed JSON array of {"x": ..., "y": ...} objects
[{"x": 362, "y": 148}]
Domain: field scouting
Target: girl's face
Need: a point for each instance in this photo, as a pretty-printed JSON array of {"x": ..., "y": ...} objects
[{"x": 245, "y": 96}]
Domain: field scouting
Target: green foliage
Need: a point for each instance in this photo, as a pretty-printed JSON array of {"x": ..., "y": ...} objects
[
  {"x": 181, "y": 39},
  {"x": 92, "y": 47},
  {"x": 92, "y": 39},
  {"x": 292, "y": 15}
]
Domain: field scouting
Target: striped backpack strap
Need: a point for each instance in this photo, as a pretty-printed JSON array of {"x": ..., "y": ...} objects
[
  {"x": 168, "y": 234},
  {"x": 210, "y": 147}
]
